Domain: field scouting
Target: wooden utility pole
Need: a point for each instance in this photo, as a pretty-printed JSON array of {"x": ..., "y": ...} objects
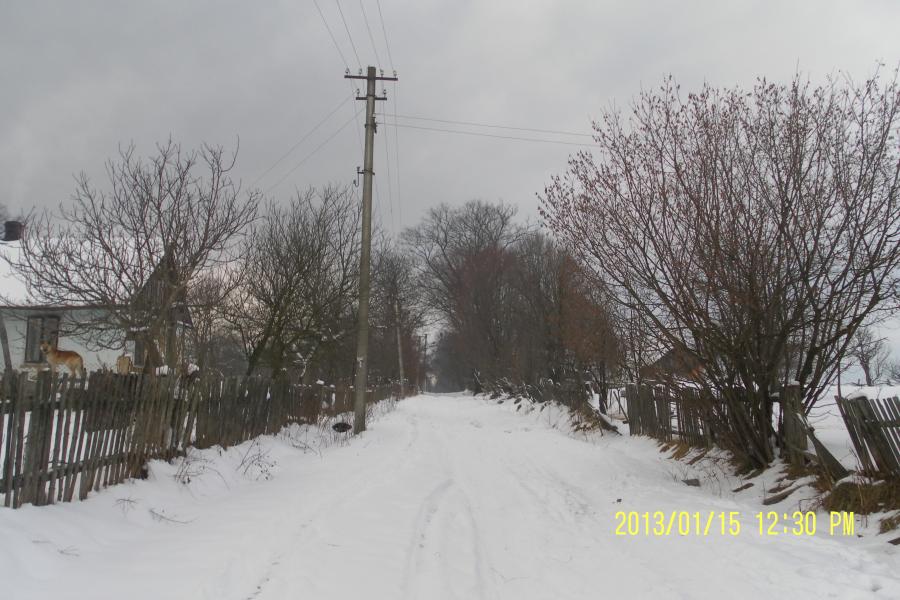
[
  {"x": 425, "y": 365},
  {"x": 362, "y": 342},
  {"x": 399, "y": 345}
]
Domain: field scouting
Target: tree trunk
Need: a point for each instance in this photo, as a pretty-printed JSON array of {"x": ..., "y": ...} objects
[
  {"x": 153, "y": 358},
  {"x": 277, "y": 357},
  {"x": 256, "y": 355},
  {"x": 171, "y": 345},
  {"x": 308, "y": 367},
  {"x": 867, "y": 371}
]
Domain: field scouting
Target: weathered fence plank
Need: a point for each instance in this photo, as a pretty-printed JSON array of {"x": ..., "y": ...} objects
[{"x": 77, "y": 402}]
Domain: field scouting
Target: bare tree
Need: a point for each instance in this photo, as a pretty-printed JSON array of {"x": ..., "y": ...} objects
[
  {"x": 133, "y": 249},
  {"x": 893, "y": 371},
  {"x": 870, "y": 352},
  {"x": 463, "y": 256},
  {"x": 397, "y": 312},
  {"x": 514, "y": 304},
  {"x": 535, "y": 320},
  {"x": 209, "y": 340},
  {"x": 752, "y": 229},
  {"x": 589, "y": 333},
  {"x": 299, "y": 280}
]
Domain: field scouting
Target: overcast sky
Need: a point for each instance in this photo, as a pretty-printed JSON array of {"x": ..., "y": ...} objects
[{"x": 81, "y": 78}]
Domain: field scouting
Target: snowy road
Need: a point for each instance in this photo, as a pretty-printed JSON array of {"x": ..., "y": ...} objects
[{"x": 446, "y": 497}]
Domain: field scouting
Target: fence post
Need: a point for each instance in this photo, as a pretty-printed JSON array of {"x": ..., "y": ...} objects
[
  {"x": 793, "y": 434},
  {"x": 631, "y": 408}
]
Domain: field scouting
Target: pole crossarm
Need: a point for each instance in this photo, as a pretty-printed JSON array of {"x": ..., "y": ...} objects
[{"x": 366, "y": 77}]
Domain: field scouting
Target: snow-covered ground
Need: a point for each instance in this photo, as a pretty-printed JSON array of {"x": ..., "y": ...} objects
[{"x": 445, "y": 497}]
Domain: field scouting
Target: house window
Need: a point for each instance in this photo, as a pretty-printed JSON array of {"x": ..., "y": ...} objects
[{"x": 40, "y": 329}]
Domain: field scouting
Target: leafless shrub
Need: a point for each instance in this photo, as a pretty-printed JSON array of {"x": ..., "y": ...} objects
[
  {"x": 194, "y": 465},
  {"x": 126, "y": 505},
  {"x": 257, "y": 461},
  {"x": 756, "y": 230}
]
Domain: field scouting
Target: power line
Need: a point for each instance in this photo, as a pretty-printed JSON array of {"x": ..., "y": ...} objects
[
  {"x": 387, "y": 166},
  {"x": 491, "y": 126},
  {"x": 350, "y": 37},
  {"x": 490, "y": 135},
  {"x": 353, "y": 90},
  {"x": 314, "y": 152},
  {"x": 334, "y": 41},
  {"x": 369, "y": 29},
  {"x": 302, "y": 139},
  {"x": 384, "y": 31},
  {"x": 387, "y": 152}
]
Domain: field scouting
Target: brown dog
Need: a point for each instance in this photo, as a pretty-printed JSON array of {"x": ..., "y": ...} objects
[{"x": 67, "y": 358}]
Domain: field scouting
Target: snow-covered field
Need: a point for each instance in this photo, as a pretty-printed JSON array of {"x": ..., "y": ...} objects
[{"x": 445, "y": 497}]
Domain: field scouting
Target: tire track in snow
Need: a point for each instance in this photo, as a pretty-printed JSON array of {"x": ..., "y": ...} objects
[
  {"x": 445, "y": 547},
  {"x": 419, "y": 540},
  {"x": 446, "y": 556},
  {"x": 477, "y": 548}
]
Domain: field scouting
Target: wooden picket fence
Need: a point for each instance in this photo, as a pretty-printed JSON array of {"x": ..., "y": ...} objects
[
  {"x": 668, "y": 413},
  {"x": 61, "y": 438},
  {"x": 874, "y": 427},
  {"x": 699, "y": 419}
]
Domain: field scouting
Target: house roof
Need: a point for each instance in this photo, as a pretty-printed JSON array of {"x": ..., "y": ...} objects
[{"x": 680, "y": 364}]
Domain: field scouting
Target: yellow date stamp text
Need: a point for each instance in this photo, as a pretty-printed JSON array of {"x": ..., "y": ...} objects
[{"x": 730, "y": 523}]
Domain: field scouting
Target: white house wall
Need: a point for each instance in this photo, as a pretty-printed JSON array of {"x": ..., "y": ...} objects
[{"x": 16, "y": 320}]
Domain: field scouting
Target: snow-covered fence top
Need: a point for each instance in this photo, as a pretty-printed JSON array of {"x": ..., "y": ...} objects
[{"x": 67, "y": 436}]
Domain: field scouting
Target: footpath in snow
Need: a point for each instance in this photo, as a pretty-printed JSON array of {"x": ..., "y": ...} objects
[{"x": 445, "y": 497}]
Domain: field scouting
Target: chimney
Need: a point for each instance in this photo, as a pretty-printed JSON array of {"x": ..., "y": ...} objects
[{"x": 12, "y": 231}]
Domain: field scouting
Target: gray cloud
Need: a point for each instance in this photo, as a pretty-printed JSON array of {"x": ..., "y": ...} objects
[{"x": 79, "y": 79}]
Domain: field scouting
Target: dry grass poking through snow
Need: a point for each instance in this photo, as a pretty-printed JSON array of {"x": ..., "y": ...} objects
[{"x": 864, "y": 496}]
